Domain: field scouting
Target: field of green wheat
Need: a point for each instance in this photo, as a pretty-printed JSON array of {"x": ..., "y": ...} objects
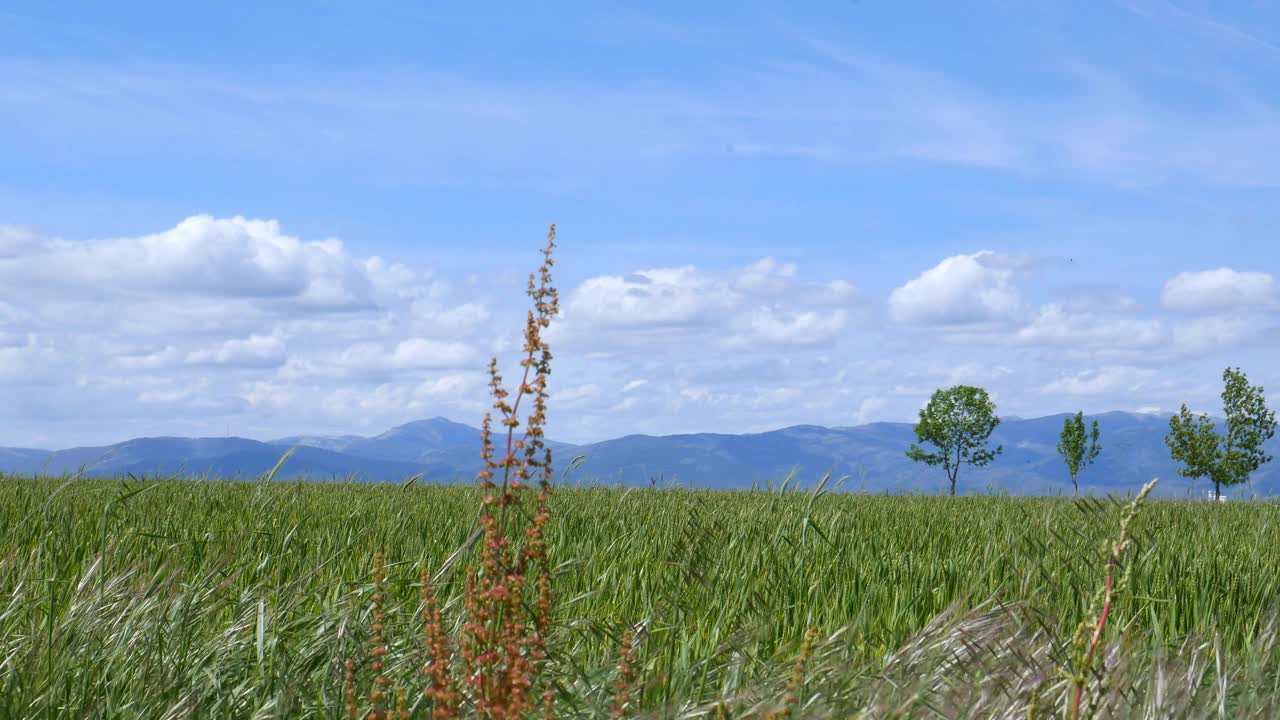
[{"x": 219, "y": 599}]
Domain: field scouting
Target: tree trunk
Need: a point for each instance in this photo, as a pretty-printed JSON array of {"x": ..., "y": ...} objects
[
  {"x": 1217, "y": 490},
  {"x": 953, "y": 487},
  {"x": 1075, "y": 487}
]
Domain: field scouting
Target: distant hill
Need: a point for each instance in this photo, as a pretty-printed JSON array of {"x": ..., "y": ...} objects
[
  {"x": 872, "y": 455},
  {"x": 23, "y": 460},
  {"x": 407, "y": 443},
  {"x": 220, "y": 457}
]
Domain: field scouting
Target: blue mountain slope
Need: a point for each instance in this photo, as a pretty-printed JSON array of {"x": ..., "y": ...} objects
[
  {"x": 224, "y": 457},
  {"x": 337, "y": 443},
  {"x": 23, "y": 460},
  {"x": 873, "y": 455},
  {"x": 162, "y": 451},
  {"x": 308, "y": 462},
  {"x": 412, "y": 442}
]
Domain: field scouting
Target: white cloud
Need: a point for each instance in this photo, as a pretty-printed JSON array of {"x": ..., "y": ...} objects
[
  {"x": 771, "y": 397},
  {"x": 170, "y": 395},
  {"x": 1055, "y": 325},
  {"x": 201, "y": 256},
  {"x": 1215, "y": 332},
  {"x": 960, "y": 290},
  {"x": 661, "y": 350},
  {"x": 1220, "y": 289},
  {"x": 1116, "y": 336},
  {"x": 577, "y": 395},
  {"x": 1108, "y": 379},
  {"x": 656, "y": 297},
  {"x": 685, "y": 309},
  {"x": 765, "y": 275},
  {"x": 836, "y": 292},
  {"x": 17, "y": 242},
  {"x": 969, "y": 373},
  {"x": 1101, "y": 302},
  {"x": 35, "y": 360},
  {"x": 253, "y": 351},
  {"x": 239, "y": 296},
  {"x": 165, "y": 357},
  {"x": 868, "y": 408},
  {"x": 448, "y": 386},
  {"x": 774, "y": 326},
  {"x": 220, "y": 316},
  {"x": 422, "y": 353},
  {"x": 432, "y": 319}
]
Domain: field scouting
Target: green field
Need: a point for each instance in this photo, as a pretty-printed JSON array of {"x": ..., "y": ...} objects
[{"x": 212, "y": 599}]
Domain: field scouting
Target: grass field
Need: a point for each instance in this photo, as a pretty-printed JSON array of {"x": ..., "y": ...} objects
[{"x": 213, "y": 599}]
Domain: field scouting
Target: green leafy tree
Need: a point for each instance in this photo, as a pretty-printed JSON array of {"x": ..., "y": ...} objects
[
  {"x": 1193, "y": 443},
  {"x": 958, "y": 420},
  {"x": 1074, "y": 450},
  {"x": 1225, "y": 459}
]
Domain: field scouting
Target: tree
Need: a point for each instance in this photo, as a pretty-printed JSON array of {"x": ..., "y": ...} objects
[
  {"x": 1193, "y": 443},
  {"x": 1073, "y": 449},
  {"x": 958, "y": 421},
  {"x": 1226, "y": 459}
]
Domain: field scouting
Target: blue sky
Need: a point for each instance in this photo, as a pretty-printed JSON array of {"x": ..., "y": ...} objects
[{"x": 318, "y": 217}]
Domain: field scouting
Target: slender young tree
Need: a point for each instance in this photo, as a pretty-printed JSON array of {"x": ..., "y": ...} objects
[
  {"x": 959, "y": 421},
  {"x": 1226, "y": 459},
  {"x": 1073, "y": 448},
  {"x": 1249, "y": 425}
]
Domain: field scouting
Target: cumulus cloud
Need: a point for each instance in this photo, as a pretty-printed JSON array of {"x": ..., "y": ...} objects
[
  {"x": 1215, "y": 332},
  {"x": 656, "y": 297},
  {"x": 313, "y": 337},
  {"x": 577, "y": 395},
  {"x": 1108, "y": 379},
  {"x": 33, "y": 360},
  {"x": 169, "y": 395},
  {"x": 164, "y": 357},
  {"x": 1103, "y": 302},
  {"x": 765, "y": 275},
  {"x": 774, "y": 326},
  {"x": 868, "y": 408},
  {"x": 433, "y": 319},
  {"x": 836, "y": 292},
  {"x": 447, "y": 386},
  {"x": 254, "y": 351},
  {"x": 1055, "y": 325},
  {"x": 961, "y": 290},
  {"x": 201, "y": 256},
  {"x": 968, "y": 373},
  {"x": 762, "y": 305},
  {"x": 218, "y": 315},
  {"x": 1220, "y": 289},
  {"x": 410, "y": 353}
]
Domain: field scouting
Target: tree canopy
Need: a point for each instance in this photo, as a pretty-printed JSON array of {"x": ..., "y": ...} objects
[
  {"x": 1227, "y": 459},
  {"x": 1073, "y": 448},
  {"x": 958, "y": 421}
]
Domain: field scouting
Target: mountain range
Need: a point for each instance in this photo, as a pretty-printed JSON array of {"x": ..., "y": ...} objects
[{"x": 871, "y": 455}]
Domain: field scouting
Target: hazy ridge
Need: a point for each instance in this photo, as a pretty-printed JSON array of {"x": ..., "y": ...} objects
[{"x": 872, "y": 454}]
